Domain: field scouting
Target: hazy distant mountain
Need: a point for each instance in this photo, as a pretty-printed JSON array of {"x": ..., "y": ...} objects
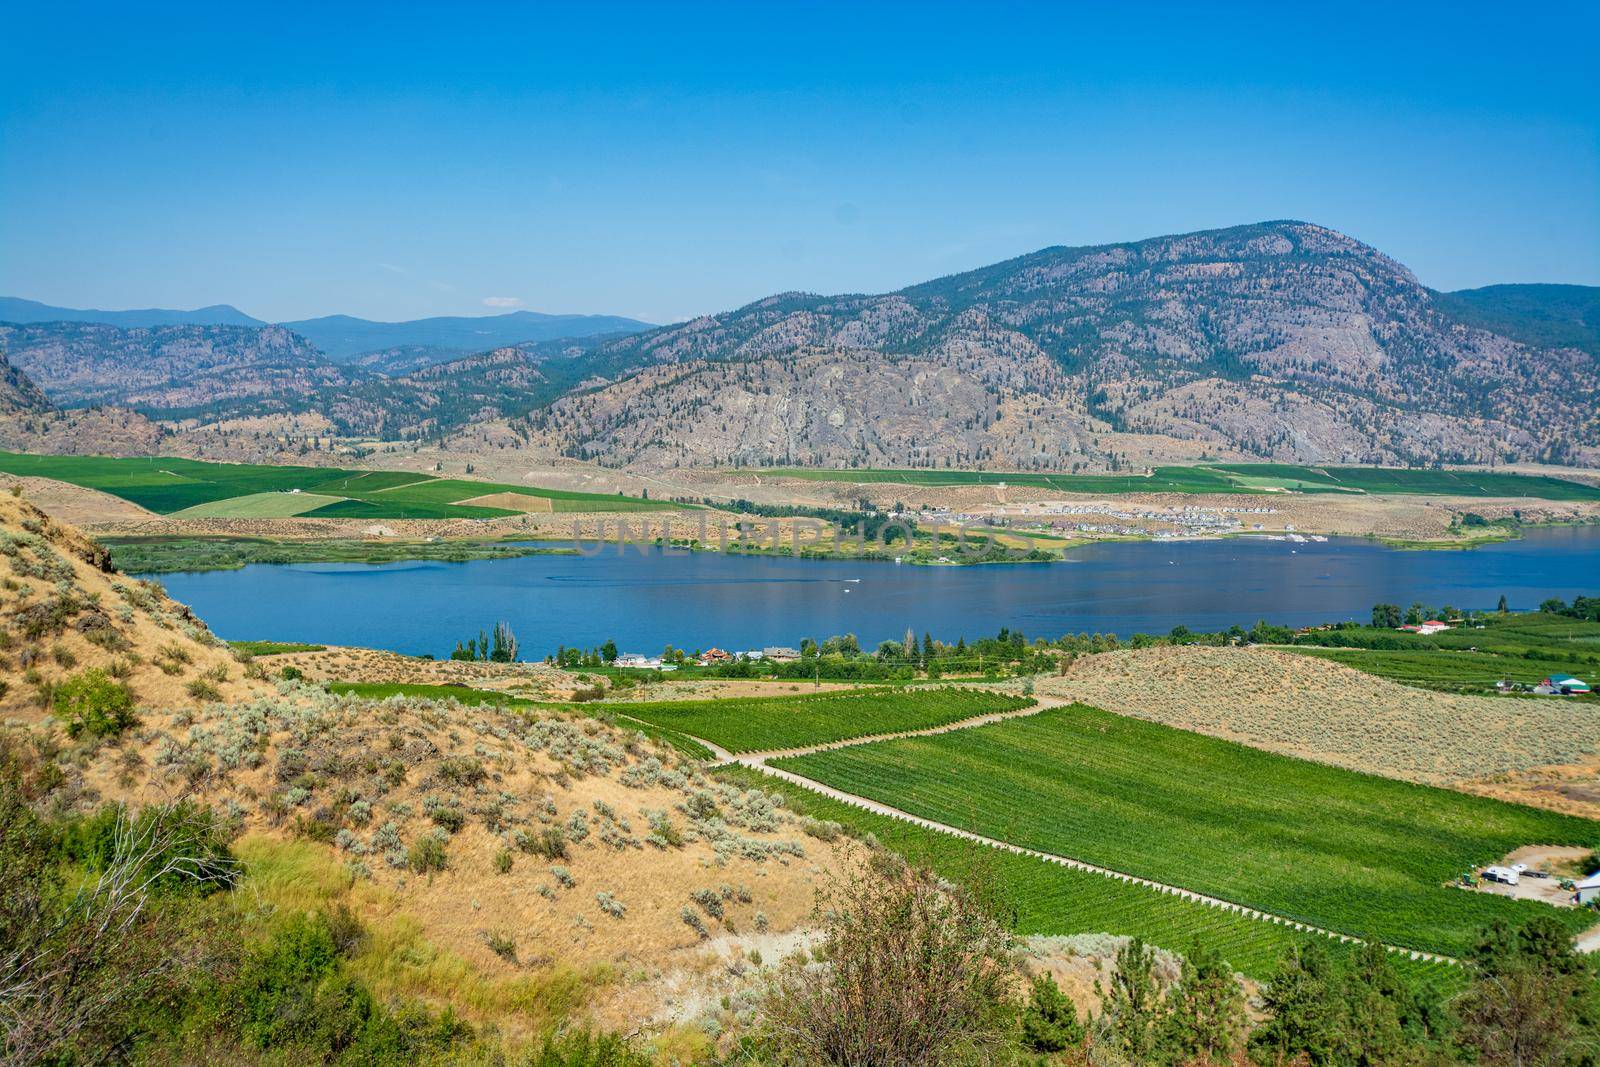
[
  {"x": 1551, "y": 316},
  {"x": 1281, "y": 340},
  {"x": 16, "y": 309},
  {"x": 342, "y": 337},
  {"x": 398, "y": 346}
]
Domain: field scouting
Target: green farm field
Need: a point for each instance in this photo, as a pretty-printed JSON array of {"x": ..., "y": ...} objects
[
  {"x": 191, "y": 488},
  {"x": 257, "y": 506},
  {"x": 756, "y": 724},
  {"x": 1350, "y": 852},
  {"x": 1052, "y": 899},
  {"x": 1233, "y": 478},
  {"x": 1525, "y": 647},
  {"x": 1448, "y": 671}
]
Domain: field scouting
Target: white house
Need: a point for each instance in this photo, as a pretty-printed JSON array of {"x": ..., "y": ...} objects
[{"x": 1586, "y": 890}]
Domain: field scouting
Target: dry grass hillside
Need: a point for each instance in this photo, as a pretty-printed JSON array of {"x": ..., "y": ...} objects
[
  {"x": 525, "y": 868},
  {"x": 67, "y": 613},
  {"x": 1325, "y": 711}
]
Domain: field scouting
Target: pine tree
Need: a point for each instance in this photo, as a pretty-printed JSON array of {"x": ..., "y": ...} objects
[
  {"x": 1049, "y": 1021},
  {"x": 1205, "y": 1011},
  {"x": 1303, "y": 1008},
  {"x": 1132, "y": 1005}
]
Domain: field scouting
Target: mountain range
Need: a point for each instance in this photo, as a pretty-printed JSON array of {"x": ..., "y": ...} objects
[
  {"x": 345, "y": 338},
  {"x": 1280, "y": 340},
  {"x": 15, "y": 309}
]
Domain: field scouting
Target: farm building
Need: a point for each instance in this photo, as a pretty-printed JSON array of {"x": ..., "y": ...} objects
[
  {"x": 1587, "y": 890},
  {"x": 1566, "y": 684}
]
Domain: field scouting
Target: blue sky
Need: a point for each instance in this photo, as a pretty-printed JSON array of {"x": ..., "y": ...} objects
[{"x": 665, "y": 160}]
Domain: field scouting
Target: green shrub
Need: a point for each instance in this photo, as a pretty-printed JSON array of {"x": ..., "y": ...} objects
[
  {"x": 191, "y": 832},
  {"x": 92, "y": 704},
  {"x": 450, "y": 818},
  {"x": 462, "y": 770},
  {"x": 549, "y": 842},
  {"x": 427, "y": 854}
]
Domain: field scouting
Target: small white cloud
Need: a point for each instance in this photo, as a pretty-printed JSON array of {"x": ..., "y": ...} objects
[{"x": 502, "y": 301}]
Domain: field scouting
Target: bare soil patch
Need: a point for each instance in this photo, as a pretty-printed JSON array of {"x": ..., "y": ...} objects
[
  {"x": 74, "y": 504},
  {"x": 1320, "y": 710},
  {"x": 510, "y": 502}
]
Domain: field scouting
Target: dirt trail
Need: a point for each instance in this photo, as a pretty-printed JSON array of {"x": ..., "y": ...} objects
[{"x": 758, "y": 761}]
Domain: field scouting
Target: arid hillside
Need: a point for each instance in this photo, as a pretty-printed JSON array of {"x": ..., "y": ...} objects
[
  {"x": 73, "y": 625},
  {"x": 523, "y": 867},
  {"x": 1283, "y": 340}
]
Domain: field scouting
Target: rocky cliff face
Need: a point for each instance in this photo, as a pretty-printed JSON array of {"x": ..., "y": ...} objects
[{"x": 1282, "y": 340}]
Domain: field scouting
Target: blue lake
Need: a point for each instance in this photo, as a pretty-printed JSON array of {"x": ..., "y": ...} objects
[{"x": 647, "y": 599}]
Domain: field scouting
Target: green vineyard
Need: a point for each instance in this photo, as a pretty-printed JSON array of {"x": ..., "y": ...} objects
[
  {"x": 1349, "y": 852},
  {"x": 1052, "y": 899},
  {"x": 767, "y": 723}
]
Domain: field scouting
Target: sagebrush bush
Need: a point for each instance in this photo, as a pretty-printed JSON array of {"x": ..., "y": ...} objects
[{"x": 427, "y": 854}]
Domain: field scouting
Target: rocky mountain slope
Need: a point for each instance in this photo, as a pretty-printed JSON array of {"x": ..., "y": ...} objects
[
  {"x": 17, "y": 392},
  {"x": 170, "y": 371},
  {"x": 212, "y": 374},
  {"x": 1280, "y": 340},
  {"x": 1283, "y": 340}
]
